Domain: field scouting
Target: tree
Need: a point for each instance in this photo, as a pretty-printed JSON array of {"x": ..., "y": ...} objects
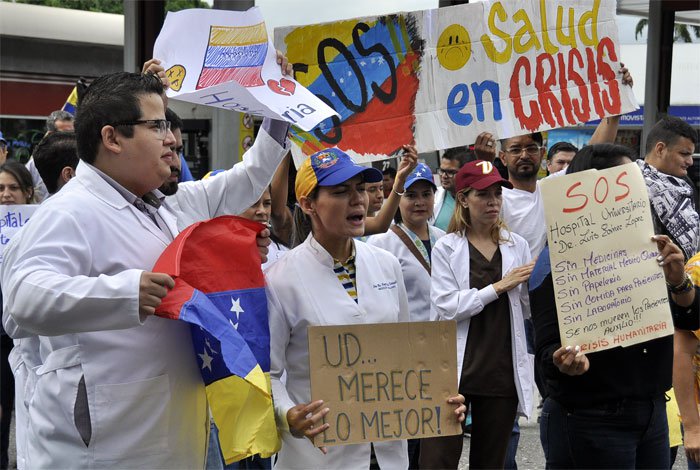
[
  {"x": 112, "y": 6},
  {"x": 681, "y": 32}
]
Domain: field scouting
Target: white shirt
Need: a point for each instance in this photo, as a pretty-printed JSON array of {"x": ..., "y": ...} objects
[
  {"x": 303, "y": 290},
  {"x": 523, "y": 213},
  {"x": 415, "y": 276}
]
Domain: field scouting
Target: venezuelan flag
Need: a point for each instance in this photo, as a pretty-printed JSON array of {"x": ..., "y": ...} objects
[
  {"x": 234, "y": 53},
  {"x": 72, "y": 101},
  {"x": 223, "y": 298}
]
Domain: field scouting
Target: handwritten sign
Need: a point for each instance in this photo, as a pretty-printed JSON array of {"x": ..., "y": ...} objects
[
  {"x": 225, "y": 59},
  {"x": 384, "y": 381},
  {"x": 609, "y": 289},
  {"x": 13, "y": 218},
  {"x": 440, "y": 77}
]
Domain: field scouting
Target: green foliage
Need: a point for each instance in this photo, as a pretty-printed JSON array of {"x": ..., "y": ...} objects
[
  {"x": 112, "y": 6},
  {"x": 681, "y": 32}
]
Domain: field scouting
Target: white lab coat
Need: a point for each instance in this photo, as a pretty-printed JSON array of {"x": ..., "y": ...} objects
[
  {"x": 73, "y": 279},
  {"x": 437, "y": 204},
  {"x": 452, "y": 299},
  {"x": 415, "y": 276},
  {"x": 302, "y": 291}
]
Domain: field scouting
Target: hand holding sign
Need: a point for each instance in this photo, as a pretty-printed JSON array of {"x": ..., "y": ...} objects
[
  {"x": 303, "y": 420},
  {"x": 570, "y": 361}
]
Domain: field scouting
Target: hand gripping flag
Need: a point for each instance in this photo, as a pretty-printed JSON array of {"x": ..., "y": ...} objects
[{"x": 220, "y": 291}]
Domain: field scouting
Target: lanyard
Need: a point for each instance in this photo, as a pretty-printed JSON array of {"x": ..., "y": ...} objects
[{"x": 418, "y": 242}]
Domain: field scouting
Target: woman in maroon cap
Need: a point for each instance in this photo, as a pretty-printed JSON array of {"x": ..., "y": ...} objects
[{"x": 479, "y": 278}]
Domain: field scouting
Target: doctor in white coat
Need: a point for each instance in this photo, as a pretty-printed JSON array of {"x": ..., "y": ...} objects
[
  {"x": 329, "y": 279},
  {"x": 474, "y": 265},
  {"x": 412, "y": 239},
  {"x": 117, "y": 387}
]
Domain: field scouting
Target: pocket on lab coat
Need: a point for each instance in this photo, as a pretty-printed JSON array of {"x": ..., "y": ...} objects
[
  {"x": 131, "y": 419},
  {"x": 51, "y": 394}
]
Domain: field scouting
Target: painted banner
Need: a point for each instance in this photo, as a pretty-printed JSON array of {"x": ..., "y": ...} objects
[
  {"x": 13, "y": 218},
  {"x": 384, "y": 381},
  {"x": 225, "y": 59},
  {"x": 609, "y": 289},
  {"x": 438, "y": 78}
]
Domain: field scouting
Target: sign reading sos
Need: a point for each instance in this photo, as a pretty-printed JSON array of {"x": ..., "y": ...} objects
[{"x": 578, "y": 195}]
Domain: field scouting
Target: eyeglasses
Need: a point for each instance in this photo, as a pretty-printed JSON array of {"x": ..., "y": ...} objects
[
  {"x": 531, "y": 150},
  {"x": 162, "y": 128},
  {"x": 447, "y": 172}
]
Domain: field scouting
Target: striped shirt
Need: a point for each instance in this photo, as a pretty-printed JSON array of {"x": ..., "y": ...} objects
[{"x": 346, "y": 275}]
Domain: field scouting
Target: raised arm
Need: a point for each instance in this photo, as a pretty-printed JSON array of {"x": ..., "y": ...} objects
[
  {"x": 381, "y": 222},
  {"x": 281, "y": 215}
]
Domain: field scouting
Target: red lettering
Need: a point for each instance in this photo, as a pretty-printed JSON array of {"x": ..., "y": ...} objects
[
  {"x": 622, "y": 185},
  {"x": 582, "y": 107},
  {"x": 610, "y": 98},
  {"x": 593, "y": 82},
  {"x": 564, "y": 87},
  {"x": 549, "y": 104},
  {"x": 595, "y": 190},
  {"x": 534, "y": 120},
  {"x": 570, "y": 195}
]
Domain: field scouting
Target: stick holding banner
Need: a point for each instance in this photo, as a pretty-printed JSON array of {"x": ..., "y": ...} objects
[
  {"x": 609, "y": 289},
  {"x": 225, "y": 59}
]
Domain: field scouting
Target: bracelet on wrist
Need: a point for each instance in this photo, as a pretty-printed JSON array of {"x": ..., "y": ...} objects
[
  {"x": 682, "y": 288},
  {"x": 398, "y": 193}
]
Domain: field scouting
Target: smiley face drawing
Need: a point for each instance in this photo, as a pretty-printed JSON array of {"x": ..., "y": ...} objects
[
  {"x": 454, "y": 47},
  {"x": 176, "y": 75}
]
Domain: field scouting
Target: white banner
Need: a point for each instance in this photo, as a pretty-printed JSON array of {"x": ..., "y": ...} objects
[{"x": 224, "y": 59}]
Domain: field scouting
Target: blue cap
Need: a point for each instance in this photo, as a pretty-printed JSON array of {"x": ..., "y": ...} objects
[
  {"x": 421, "y": 172},
  {"x": 330, "y": 167}
]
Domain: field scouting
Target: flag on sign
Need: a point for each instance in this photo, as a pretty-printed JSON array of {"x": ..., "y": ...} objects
[
  {"x": 220, "y": 291},
  {"x": 234, "y": 53}
]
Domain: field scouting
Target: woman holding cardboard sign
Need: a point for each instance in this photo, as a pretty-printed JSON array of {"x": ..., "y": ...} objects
[
  {"x": 479, "y": 276},
  {"x": 330, "y": 279}
]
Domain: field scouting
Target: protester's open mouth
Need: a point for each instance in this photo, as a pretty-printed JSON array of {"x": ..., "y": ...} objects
[{"x": 356, "y": 219}]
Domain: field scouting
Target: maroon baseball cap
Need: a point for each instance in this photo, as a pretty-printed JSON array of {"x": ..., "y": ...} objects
[{"x": 479, "y": 174}]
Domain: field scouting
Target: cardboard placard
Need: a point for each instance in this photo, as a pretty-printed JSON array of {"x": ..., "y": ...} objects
[
  {"x": 439, "y": 77},
  {"x": 609, "y": 289},
  {"x": 384, "y": 381}
]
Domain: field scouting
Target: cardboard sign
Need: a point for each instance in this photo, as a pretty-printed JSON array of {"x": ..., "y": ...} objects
[
  {"x": 384, "y": 381},
  {"x": 13, "y": 218},
  {"x": 609, "y": 289},
  {"x": 224, "y": 59},
  {"x": 440, "y": 77}
]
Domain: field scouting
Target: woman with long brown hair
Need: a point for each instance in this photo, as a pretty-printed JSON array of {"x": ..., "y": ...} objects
[{"x": 479, "y": 278}]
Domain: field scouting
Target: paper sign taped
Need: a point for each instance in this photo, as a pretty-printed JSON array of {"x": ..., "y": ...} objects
[
  {"x": 384, "y": 381},
  {"x": 609, "y": 289},
  {"x": 438, "y": 78},
  {"x": 224, "y": 59}
]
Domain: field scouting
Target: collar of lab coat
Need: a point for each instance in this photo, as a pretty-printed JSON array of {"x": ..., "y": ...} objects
[
  {"x": 102, "y": 190},
  {"x": 321, "y": 254}
]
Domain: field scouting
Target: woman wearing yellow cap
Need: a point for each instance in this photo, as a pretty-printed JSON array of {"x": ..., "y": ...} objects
[{"x": 330, "y": 279}]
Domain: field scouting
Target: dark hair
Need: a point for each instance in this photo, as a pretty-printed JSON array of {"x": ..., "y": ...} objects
[
  {"x": 55, "y": 152},
  {"x": 302, "y": 222},
  {"x": 599, "y": 157},
  {"x": 175, "y": 121},
  {"x": 22, "y": 175},
  {"x": 59, "y": 115},
  {"x": 668, "y": 130},
  {"x": 460, "y": 155},
  {"x": 390, "y": 170},
  {"x": 560, "y": 147},
  {"x": 109, "y": 99},
  {"x": 536, "y": 136}
]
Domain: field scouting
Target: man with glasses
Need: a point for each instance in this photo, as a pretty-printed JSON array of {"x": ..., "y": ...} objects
[
  {"x": 117, "y": 386},
  {"x": 450, "y": 163}
]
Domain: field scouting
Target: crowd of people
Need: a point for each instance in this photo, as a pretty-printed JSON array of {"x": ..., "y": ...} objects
[{"x": 95, "y": 379}]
